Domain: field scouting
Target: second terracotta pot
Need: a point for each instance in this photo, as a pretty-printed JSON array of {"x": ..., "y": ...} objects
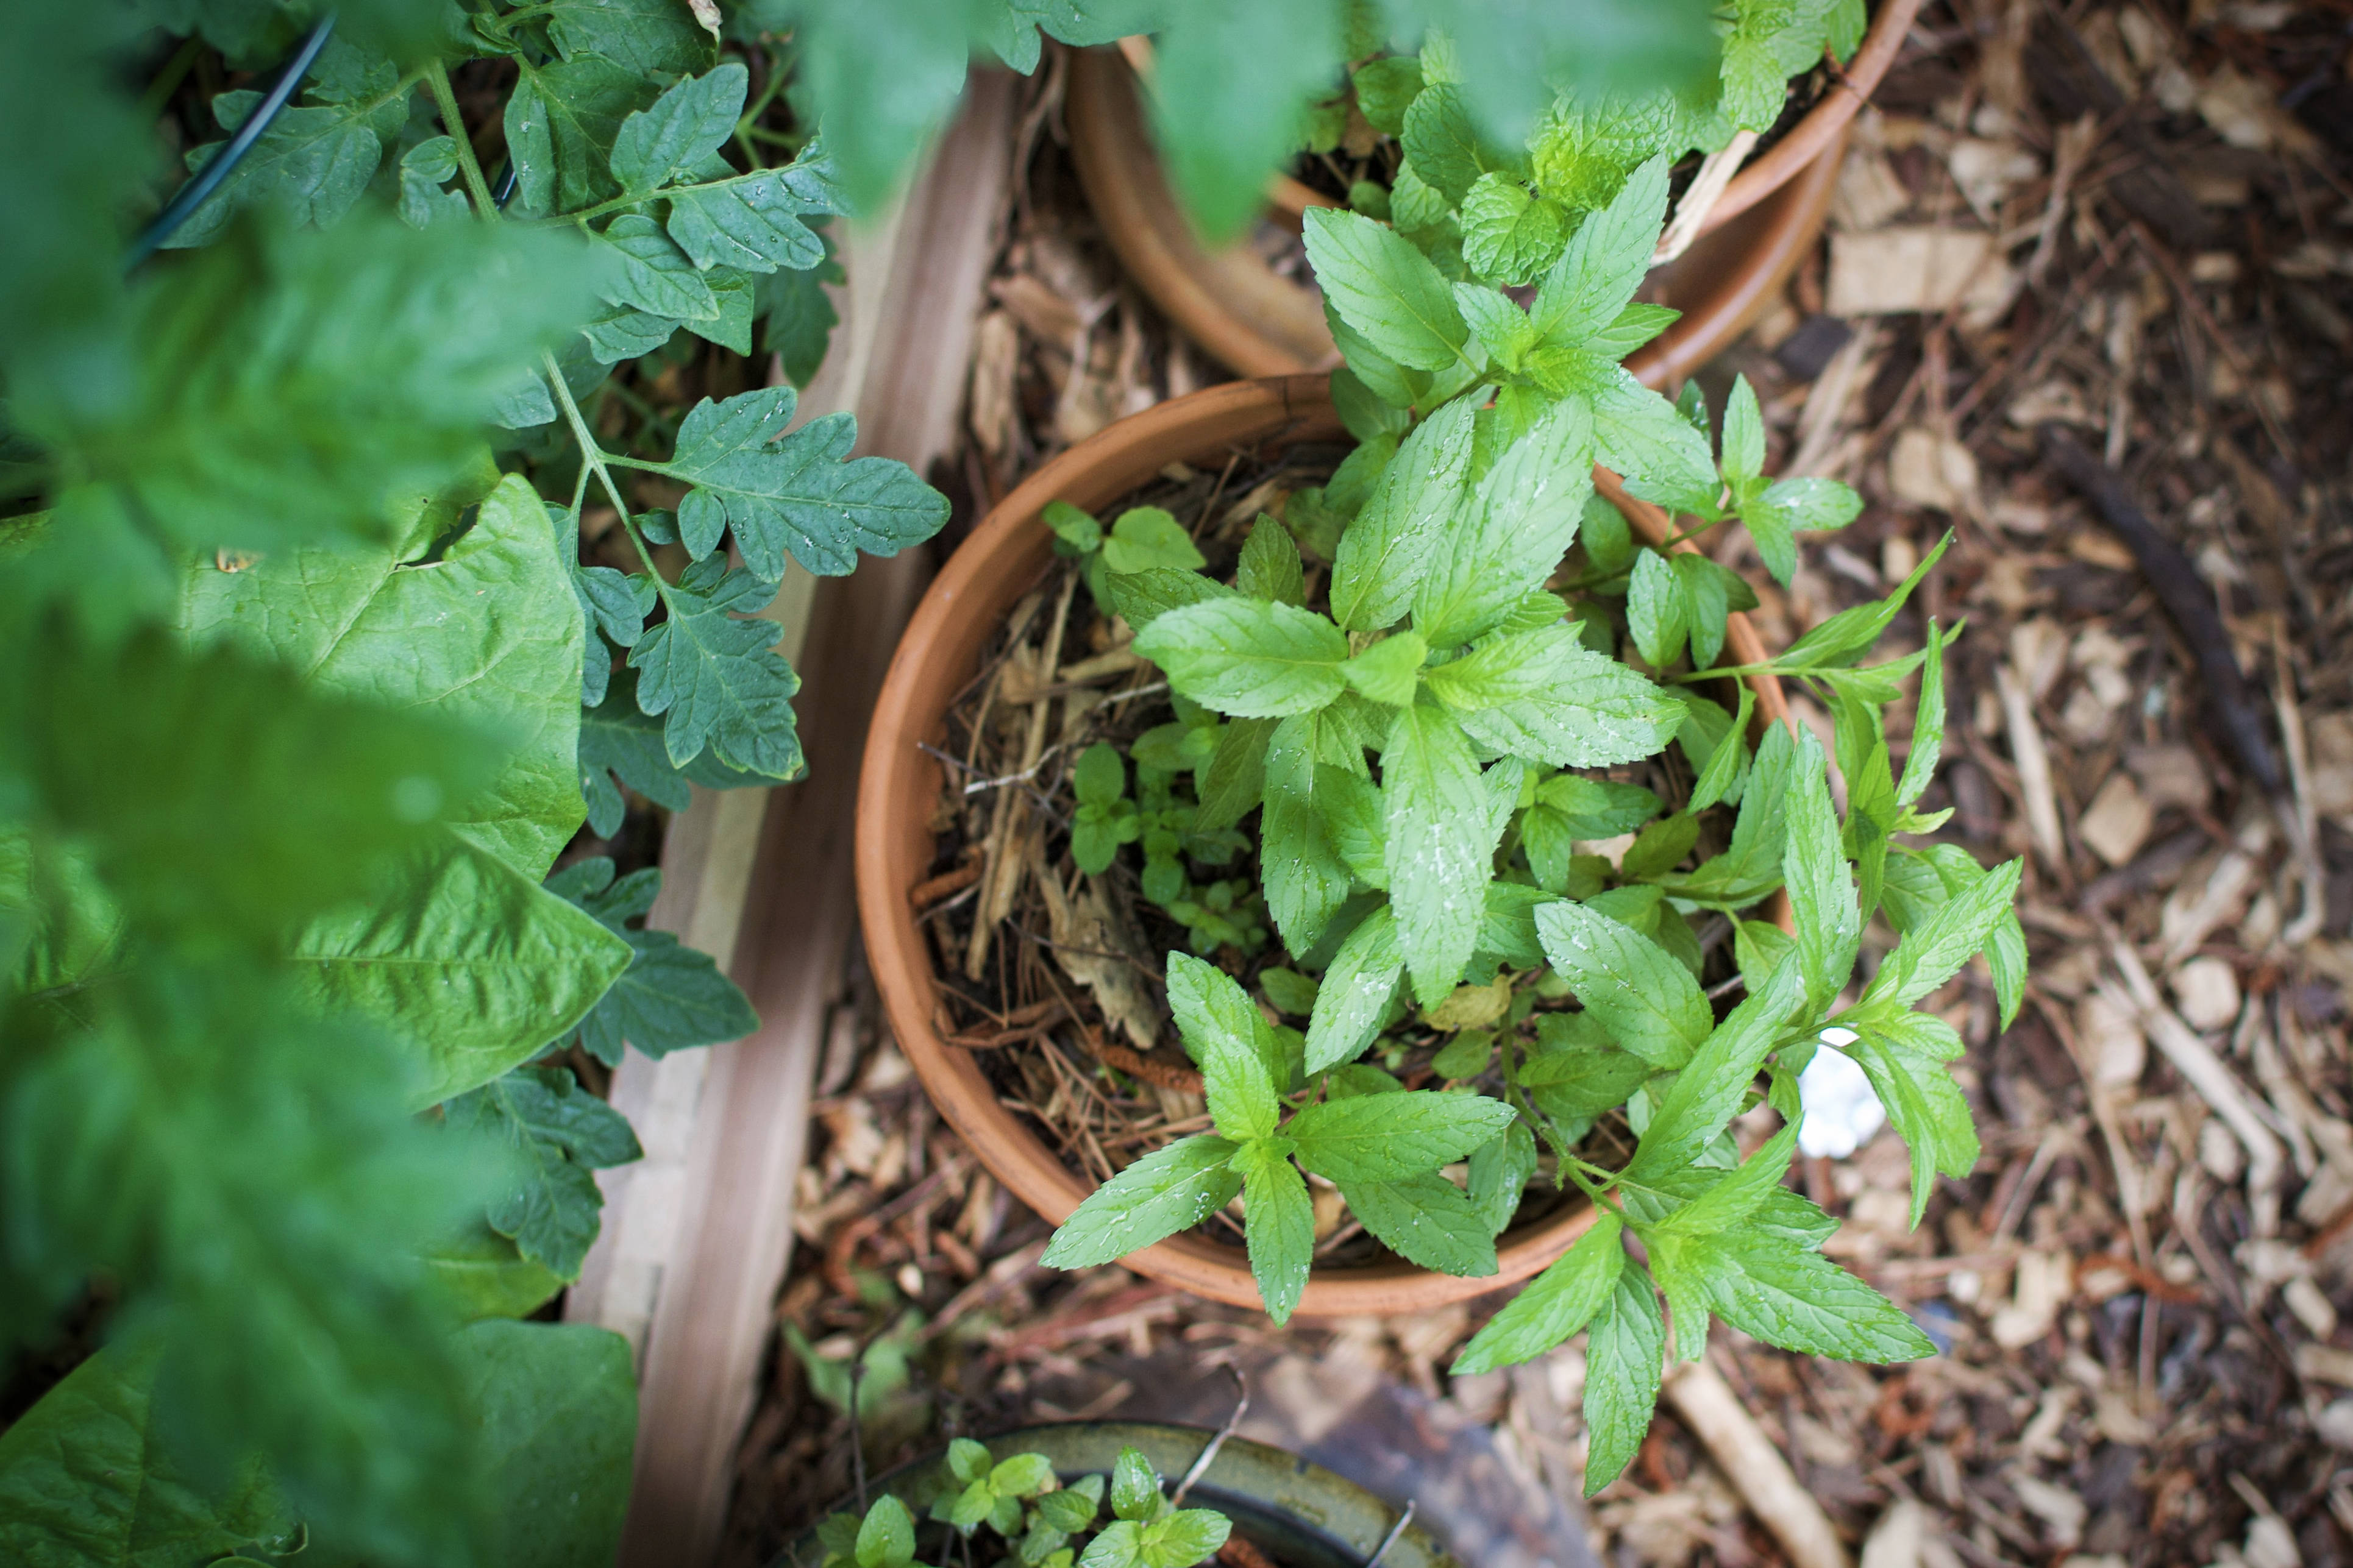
[
  {"x": 900, "y": 784},
  {"x": 1258, "y": 322}
]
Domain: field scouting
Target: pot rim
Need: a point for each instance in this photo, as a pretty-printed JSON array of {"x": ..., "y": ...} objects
[
  {"x": 1247, "y": 317},
  {"x": 899, "y": 784}
]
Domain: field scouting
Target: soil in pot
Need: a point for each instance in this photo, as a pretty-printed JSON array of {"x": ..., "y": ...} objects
[{"x": 1051, "y": 969}]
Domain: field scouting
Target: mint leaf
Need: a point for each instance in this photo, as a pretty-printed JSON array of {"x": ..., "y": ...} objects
[
  {"x": 1771, "y": 1289},
  {"x": 1439, "y": 846},
  {"x": 1842, "y": 640},
  {"x": 1822, "y": 887},
  {"x": 1145, "y": 539},
  {"x": 1278, "y": 1226},
  {"x": 1725, "y": 766},
  {"x": 1234, "y": 781},
  {"x": 1388, "y": 1137},
  {"x": 1934, "y": 951},
  {"x": 1516, "y": 528},
  {"x": 717, "y": 680},
  {"x": 1384, "y": 553},
  {"x": 1270, "y": 567},
  {"x": 1644, "y": 997},
  {"x": 1605, "y": 261},
  {"x": 1789, "y": 505},
  {"x": 1390, "y": 671},
  {"x": 1575, "y": 1079},
  {"x": 1729, "y": 1199},
  {"x": 1708, "y": 1092},
  {"x": 1744, "y": 434},
  {"x": 1566, "y": 705},
  {"x": 1500, "y": 1170},
  {"x": 1621, "y": 1377},
  {"x": 1249, "y": 657},
  {"x": 1654, "y": 609},
  {"x": 1553, "y": 1306},
  {"x": 1424, "y": 1219},
  {"x": 1168, "y": 1190},
  {"x": 1355, "y": 991},
  {"x": 1638, "y": 433},
  {"x": 1509, "y": 236},
  {"x": 793, "y": 492},
  {"x": 1710, "y": 594},
  {"x": 1928, "y": 723},
  {"x": 1305, "y": 879},
  {"x": 1904, "y": 1056},
  {"x": 1442, "y": 143},
  {"x": 1385, "y": 288},
  {"x": 1228, "y": 1040},
  {"x": 1139, "y": 598},
  {"x": 681, "y": 130},
  {"x": 1356, "y": 819}
]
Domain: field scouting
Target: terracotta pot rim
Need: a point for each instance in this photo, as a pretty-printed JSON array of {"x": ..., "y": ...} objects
[
  {"x": 1247, "y": 317},
  {"x": 898, "y": 782}
]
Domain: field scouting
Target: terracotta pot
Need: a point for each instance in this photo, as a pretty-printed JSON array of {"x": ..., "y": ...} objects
[
  {"x": 1257, "y": 322},
  {"x": 1300, "y": 1513},
  {"x": 899, "y": 785}
]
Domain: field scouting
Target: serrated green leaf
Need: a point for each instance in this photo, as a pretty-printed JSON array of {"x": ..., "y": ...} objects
[
  {"x": 1500, "y": 1170},
  {"x": 1388, "y": 1137},
  {"x": 1654, "y": 609},
  {"x": 1708, "y": 1092},
  {"x": 560, "y": 120},
  {"x": 1821, "y": 886},
  {"x": 1744, "y": 432},
  {"x": 1604, "y": 262},
  {"x": 1519, "y": 525},
  {"x": 1648, "y": 1001},
  {"x": 1928, "y": 725},
  {"x": 1545, "y": 697},
  {"x": 886, "y": 1538},
  {"x": 1846, "y": 636},
  {"x": 1384, "y": 553},
  {"x": 1639, "y": 434},
  {"x": 1270, "y": 567},
  {"x": 1774, "y": 1291},
  {"x": 1903, "y": 1057},
  {"x": 1385, "y": 288},
  {"x": 1553, "y": 1306},
  {"x": 1139, "y": 598},
  {"x": 1228, "y": 1040},
  {"x": 312, "y": 164},
  {"x": 1168, "y": 1190},
  {"x": 1135, "y": 1486},
  {"x": 681, "y": 130},
  {"x": 1305, "y": 879},
  {"x": 1390, "y": 671},
  {"x": 1279, "y": 1225},
  {"x": 1145, "y": 539},
  {"x": 1509, "y": 236},
  {"x": 1439, "y": 844},
  {"x": 1621, "y": 1377},
  {"x": 1247, "y": 656},
  {"x": 1355, "y": 992},
  {"x": 670, "y": 997},
  {"x": 1424, "y": 1219},
  {"x": 643, "y": 37},
  {"x": 717, "y": 682},
  {"x": 619, "y": 739}
]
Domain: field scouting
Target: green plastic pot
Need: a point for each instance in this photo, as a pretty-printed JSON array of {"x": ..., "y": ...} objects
[{"x": 1300, "y": 1514}]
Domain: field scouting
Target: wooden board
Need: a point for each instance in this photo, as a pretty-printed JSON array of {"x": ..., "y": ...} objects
[{"x": 697, "y": 1235}]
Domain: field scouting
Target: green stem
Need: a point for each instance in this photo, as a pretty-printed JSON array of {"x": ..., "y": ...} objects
[
  {"x": 446, "y": 99},
  {"x": 596, "y": 457}
]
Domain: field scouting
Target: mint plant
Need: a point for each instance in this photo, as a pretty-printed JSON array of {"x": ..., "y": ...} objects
[
  {"x": 1433, "y": 736},
  {"x": 1038, "y": 1522}
]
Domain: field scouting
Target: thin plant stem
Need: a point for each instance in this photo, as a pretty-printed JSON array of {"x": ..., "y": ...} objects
[{"x": 446, "y": 99}]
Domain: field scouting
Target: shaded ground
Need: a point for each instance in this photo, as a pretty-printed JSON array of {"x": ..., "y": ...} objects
[{"x": 2134, "y": 226}]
